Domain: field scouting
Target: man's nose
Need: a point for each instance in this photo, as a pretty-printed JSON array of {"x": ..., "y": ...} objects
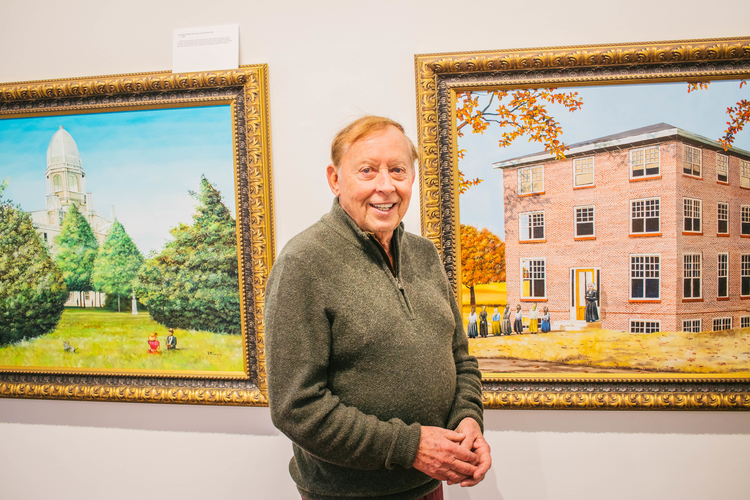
[{"x": 384, "y": 181}]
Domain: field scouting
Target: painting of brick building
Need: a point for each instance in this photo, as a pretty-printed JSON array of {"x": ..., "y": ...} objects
[{"x": 657, "y": 218}]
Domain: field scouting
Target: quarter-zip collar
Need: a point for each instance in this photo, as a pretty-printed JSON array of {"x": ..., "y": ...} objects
[{"x": 341, "y": 222}]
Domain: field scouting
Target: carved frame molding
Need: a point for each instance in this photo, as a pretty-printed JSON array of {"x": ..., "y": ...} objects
[{"x": 440, "y": 76}]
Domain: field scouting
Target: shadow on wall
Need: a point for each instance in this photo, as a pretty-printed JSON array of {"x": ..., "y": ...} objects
[
  {"x": 627, "y": 422},
  {"x": 139, "y": 416}
]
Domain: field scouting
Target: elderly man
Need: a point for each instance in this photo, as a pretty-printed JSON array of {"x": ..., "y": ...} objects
[{"x": 368, "y": 367}]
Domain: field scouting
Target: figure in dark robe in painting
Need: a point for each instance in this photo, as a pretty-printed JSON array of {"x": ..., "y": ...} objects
[
  {"x": 592, "y": 313},
  {"x": 483, "y": 322},
  {"x": 507, "y": 327}
]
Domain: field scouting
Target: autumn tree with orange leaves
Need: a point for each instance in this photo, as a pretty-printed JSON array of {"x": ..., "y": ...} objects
[
  {"x": 521, "y": 112},
  {"x": 482, "y": 258},
  {"x": 739, "y": 115}
]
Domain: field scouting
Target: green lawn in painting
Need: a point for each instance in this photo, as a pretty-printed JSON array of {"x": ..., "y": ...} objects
[{"x": 119, "y": 341}]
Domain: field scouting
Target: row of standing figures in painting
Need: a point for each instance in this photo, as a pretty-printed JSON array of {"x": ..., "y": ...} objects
[{"x": 481, "y": 326}]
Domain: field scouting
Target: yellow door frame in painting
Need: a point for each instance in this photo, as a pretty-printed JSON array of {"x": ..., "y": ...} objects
[{"x": 587, "y": 275}]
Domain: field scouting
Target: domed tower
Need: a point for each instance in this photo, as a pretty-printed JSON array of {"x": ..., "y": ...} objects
[{"x": 65, "y": 177}]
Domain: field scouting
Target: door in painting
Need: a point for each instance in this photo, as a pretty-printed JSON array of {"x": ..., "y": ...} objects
[{"x": 583, "y": 277}]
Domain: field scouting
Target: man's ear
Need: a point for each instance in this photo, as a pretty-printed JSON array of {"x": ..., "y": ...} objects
[{"x": 333, "y": 179}]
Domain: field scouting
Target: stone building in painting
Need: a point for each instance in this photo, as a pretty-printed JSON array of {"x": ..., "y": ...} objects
[{"x": 658, "y": 218}]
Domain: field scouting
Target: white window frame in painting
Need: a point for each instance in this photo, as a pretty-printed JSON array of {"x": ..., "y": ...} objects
[
  {"x": 645, "y": 326},
  {"x": 722, "y": 215},
  {"x": 722, "y": 273},
  {"x": 590, "y": 209},
  {"x": 532, "y": 173},
  {"x": 646, "y": 210},
  {"x": 745, "y": 275},
  {"x": 583, "y": 167},
  {"x": 723, "y": 323},
  {"x": 527, "y": 222},
  {"x": 645, "y": 275},
  {"x": 744, "y": 321},
  {"x": 692, "y": 264},
  {"x": 722, "y": 168},
  {"x": 644, "y": 152},
  {"x": 692, "y": 209},
  {"x": 745, "y": 220},
  {"x": 543, "y": 260},
  {"x": 692, "y": 325},
  {"x": 693, "y": 157},
  {"x": 745, "y": 174}
]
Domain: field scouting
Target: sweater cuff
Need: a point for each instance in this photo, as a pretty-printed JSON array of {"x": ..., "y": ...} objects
[
  {"x": 457, "y": 417},
  {"x": 404, "y": 448}
]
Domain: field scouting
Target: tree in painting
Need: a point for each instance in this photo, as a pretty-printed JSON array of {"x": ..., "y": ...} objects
[
  {"x": 76, "y": 250},
  {"x": 518, "y": 113},
  {"x": 194, "y": 282},
  {"x": 32, "y": 289},
  {"x": 117, "y": 264},
  {"x": 482, "y": 258},
  {"x": 739, "y": 115}
]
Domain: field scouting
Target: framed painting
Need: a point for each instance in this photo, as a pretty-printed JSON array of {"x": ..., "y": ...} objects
[
  {"x": 592, "y": 207},
  {"x": 136, "y": 236}
]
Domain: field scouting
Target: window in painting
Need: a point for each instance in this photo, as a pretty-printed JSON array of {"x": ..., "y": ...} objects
[
  {"x": 723, "y": 218},
  {"x": 645, "y": 277},
  {"x": 691, "y": 160},
  {"x": 531, "y": 226},
  {"x": 723, "y": 275},
  {"x": 644, "y": 162},
  {"x": 640, "y": 326},
  {"x": 584, "y": 221},
  {"x": 533, "y": 278},
  {"x": 584, "y": 172},
  {"x": 722, "y": 168},
  {"x": 691, "y": 325},
  {"x": 531, "y": 180},
  {"x": 692, "y": 215},
  {"x": 644, "y": 216}
]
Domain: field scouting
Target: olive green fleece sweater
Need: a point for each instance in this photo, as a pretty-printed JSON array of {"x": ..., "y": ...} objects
[{"x": 358, "y": 359}]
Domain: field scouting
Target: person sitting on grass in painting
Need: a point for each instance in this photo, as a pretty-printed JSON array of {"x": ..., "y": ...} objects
[
  {"x": 507, "y": 326},
  {"x": 171, "y": 341},
  {"x": 153, "y": 344},
  {"x": 472, "y": 329},
  {"x": 533, "y": 317},
  {"x": 518, "y": 323},
  {"x": 496, "y": 322},
  {"x": 546, "y": 320}
]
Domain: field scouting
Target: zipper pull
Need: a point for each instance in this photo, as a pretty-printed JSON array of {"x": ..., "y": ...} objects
[{"x": 400, "y": 286}]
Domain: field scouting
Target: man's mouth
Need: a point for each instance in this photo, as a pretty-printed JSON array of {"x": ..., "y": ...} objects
[{"x": 383, "y": 207}]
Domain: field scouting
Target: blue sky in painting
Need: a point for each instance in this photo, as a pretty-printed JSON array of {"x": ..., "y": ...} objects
[
  {"x": 142, "y": 162},
  {"x": 606, "y": 110}
]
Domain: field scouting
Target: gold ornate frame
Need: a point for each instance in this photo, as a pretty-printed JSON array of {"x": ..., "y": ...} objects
[
  {"x": 246, "y": 91},
  {"x": 440, "y": 76}
]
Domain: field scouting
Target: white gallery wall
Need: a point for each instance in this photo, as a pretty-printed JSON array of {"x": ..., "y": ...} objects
[{"x": 330, "y": 61}]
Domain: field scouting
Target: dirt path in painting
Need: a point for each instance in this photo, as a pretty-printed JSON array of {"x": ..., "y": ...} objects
[{"x": 504, "y": 365}]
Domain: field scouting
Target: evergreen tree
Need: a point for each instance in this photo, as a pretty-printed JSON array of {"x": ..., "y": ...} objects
[
  {"x": 76, "y": 251},
  {"x": 117, "y": 264},
  {"x": 194, "y": 282},
  {"x": 32, "y": 290}
]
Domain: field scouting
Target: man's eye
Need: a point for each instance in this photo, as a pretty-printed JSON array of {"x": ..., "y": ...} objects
[{"x": 367, "y": 170}]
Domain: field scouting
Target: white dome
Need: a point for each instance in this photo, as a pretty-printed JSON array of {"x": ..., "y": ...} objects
[{"x": 62, "y": 149}]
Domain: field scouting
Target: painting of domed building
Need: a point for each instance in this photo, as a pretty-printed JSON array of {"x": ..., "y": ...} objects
[{"x": 66, "y": 185}]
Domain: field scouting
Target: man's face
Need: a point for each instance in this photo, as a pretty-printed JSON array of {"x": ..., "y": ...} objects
[{"x": 374, "y": 181}]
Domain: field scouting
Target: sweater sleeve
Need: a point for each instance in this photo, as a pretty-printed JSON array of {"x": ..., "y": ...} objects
[
  {"x": 298, "y": 343},
  {"x": 467, "y": 401}
]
